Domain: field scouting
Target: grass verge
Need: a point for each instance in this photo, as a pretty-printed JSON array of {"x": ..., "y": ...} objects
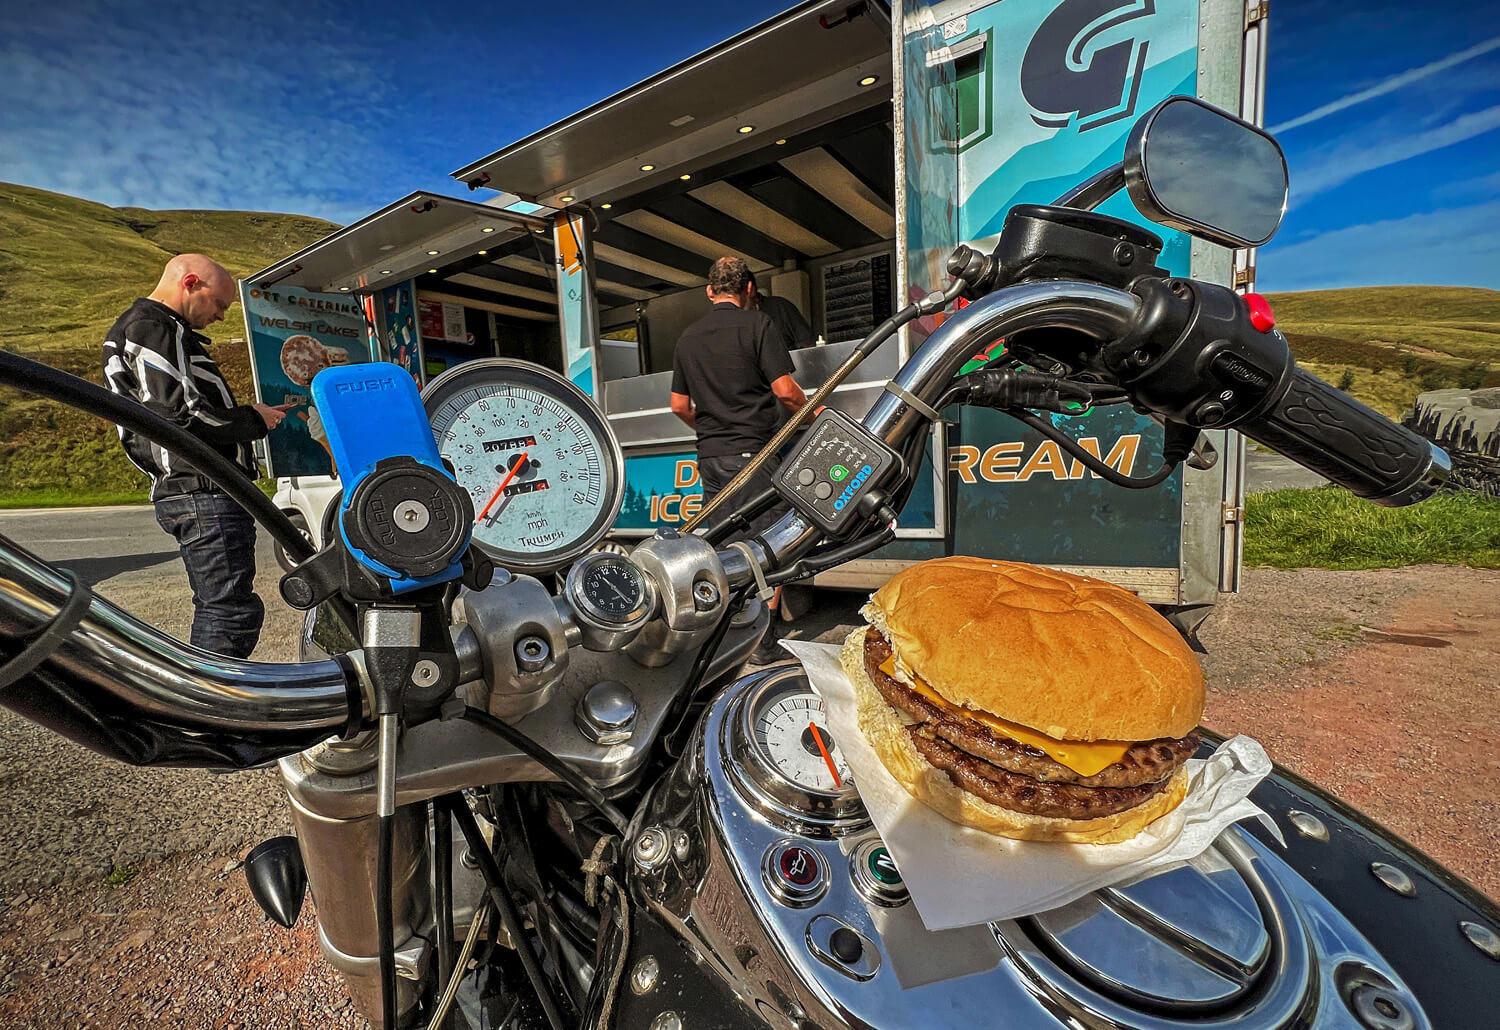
[
  {"x": 82, "y": 497},
  {"x": 1330, "y": 528},
  {"x": 62, "y": 498}
]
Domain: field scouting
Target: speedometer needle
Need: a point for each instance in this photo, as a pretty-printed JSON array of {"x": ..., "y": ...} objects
[
  {"x": 515, "y": 467},
  {"x": 827, "y": 758}
]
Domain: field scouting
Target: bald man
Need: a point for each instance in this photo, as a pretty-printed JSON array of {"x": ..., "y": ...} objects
[{"x": 154, "y": 354}]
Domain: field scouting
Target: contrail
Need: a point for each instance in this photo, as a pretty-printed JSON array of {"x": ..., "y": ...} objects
[{"x": 1393, "y": 83}]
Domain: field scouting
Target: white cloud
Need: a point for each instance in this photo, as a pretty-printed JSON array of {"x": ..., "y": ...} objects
[
  {"x": 1388, "y": 85},
  {"x": 1451, "y": 247},
  {"x": 1357, "y": 156}
]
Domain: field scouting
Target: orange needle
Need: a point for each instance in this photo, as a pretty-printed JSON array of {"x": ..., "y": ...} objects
[
  {"x": 827, "y": 758},
  {"x": 516, "y": 467}
]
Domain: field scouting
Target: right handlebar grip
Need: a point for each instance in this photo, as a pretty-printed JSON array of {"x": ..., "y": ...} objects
[{"x": 1334, "y": 435}]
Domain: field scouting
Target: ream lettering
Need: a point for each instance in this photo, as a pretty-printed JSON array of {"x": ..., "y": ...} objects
[
  {"x": 1046, "y": 458},
  {"x": 997, "y": 459},
  {"x": 687, "y": 475},
  {"x": 1009, "y": 463}
]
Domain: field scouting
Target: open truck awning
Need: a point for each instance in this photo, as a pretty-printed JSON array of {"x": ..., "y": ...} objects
[
  {"x": 802, "y": 68},
  {"x": 398, "y": 242}
]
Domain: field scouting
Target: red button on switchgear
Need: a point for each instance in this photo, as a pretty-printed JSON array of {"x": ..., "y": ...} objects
[{"x": 1261, "y": 315}]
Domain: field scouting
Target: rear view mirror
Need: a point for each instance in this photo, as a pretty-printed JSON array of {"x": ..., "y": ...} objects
[{"x": 1193, "y": 167}]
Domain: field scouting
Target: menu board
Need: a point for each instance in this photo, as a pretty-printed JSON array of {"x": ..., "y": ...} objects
[{"x": 856, "y": 297}]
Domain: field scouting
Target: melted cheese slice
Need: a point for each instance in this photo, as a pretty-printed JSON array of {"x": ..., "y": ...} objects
[{"x": 1085, "y": 757}]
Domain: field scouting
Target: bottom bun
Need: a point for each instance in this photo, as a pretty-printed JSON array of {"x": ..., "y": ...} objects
[{"x": 886, "y": 733}]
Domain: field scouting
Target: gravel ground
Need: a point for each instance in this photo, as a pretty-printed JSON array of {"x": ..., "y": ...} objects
[{"x": 122, "y": 903}]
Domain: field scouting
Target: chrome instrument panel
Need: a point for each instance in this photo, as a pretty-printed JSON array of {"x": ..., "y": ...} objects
[{"x": 1234, "y": 938}]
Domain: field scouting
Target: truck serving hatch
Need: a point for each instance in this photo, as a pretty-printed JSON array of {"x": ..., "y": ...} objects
[
  {"x": 397, "y": 243},
  {"x": 796, "y": 71}
]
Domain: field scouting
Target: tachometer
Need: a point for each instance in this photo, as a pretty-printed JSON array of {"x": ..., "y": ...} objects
[
  {"x": 786, "y": 758},
  {"x": 537, "y": 456}
]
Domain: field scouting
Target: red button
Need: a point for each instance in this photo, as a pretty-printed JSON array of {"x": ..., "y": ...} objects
[
  {"x": 1261, "y": 315},
  {"x": 798, "y": 866}
]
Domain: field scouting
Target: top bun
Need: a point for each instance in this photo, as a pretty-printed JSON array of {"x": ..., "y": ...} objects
[{"x": 1069, "y": 656}]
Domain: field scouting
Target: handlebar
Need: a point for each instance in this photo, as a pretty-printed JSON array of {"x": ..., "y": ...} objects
[
  {"x": 1334, "y": 435},
  {"x": 132, "y": 692}
]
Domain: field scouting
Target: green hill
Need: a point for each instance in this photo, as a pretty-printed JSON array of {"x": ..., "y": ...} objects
[
  {"x": 1395, "y": 341},
  {"x": 68, "y": 268}
]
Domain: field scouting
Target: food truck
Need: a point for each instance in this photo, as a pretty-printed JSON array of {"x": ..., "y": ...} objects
[{"x": 842, "y": 149}]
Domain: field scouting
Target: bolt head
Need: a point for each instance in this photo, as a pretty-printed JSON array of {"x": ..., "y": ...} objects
[{"x": 645, "y": 974}]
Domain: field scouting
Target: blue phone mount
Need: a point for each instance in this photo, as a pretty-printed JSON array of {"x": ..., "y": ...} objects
[{"x": 403, "y": 516}]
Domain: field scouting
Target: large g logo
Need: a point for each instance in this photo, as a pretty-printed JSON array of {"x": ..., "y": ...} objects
[{"x": 1065, "y": 74}]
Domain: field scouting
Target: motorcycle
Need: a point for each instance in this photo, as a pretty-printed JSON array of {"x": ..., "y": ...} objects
[{"x": 521, "y": 803}]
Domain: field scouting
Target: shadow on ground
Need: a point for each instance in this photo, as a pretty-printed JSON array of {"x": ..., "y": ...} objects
[{"x": 94, "y": 571}]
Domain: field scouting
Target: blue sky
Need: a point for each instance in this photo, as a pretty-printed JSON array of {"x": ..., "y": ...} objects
[{"x": 1389, "y": 111}]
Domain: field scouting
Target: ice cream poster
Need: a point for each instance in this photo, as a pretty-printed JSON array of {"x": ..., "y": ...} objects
[
  {"x": 294, "y": 335},
  {"x": 400, "y": 341}
]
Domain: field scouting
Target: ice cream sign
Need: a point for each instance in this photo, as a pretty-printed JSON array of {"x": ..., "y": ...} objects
[{"x": 294, "y": 335}]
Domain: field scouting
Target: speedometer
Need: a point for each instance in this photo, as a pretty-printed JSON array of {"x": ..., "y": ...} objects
[{"x": 535, "y": 454}]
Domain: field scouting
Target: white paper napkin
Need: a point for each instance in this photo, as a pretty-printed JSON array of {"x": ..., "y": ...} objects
[{"x": 959, "y": 876}]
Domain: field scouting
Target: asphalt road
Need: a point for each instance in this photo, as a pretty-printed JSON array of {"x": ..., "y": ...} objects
[{"x": 96, "y": 543}]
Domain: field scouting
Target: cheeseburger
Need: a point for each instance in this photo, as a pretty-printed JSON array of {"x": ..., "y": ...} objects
[{"x": 1024, "y": 701}]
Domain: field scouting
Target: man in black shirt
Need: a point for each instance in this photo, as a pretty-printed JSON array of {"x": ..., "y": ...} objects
[
  {"x": 794, "y": 328},
  {"x": 732, "y": 383},
  {"x": 155, "y": 355}
]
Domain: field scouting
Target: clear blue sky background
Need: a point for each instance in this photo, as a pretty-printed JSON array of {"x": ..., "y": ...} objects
[{"x": 1389, "y": 111}]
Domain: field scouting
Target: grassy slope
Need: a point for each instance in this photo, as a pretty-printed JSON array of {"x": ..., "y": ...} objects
[
  {"x": 68, "y": 268},
  {"x": 1330, "y": 528},
  {"x": 1396, "y": 340}
]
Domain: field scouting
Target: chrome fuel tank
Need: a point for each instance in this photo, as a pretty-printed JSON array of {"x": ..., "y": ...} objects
[{"x": 782, "y": 904}]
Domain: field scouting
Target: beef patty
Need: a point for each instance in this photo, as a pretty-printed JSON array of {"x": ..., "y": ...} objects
[
  {"x": 1023, "y": 793},
  {"x": 1151, "y": 762}
]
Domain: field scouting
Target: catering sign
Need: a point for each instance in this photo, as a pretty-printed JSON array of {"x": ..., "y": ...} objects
[{"x": 293, "y": 335}]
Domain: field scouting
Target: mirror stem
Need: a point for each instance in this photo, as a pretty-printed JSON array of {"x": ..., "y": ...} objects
[{"x": 1095, "y": 190}]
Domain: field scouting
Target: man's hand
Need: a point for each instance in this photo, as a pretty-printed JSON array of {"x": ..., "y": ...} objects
[{"x": 272, "y": 413}]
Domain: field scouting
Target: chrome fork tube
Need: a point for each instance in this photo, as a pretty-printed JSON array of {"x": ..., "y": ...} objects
[{"x": 1099, "y": 311}]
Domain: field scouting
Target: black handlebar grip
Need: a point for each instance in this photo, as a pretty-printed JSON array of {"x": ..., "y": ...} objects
[{"x": 1331, "y": 433}]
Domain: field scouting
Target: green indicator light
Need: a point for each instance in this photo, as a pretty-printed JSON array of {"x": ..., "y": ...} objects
[
  {"x": 883, "y": 867},
  {"x": 838, "y": 473}
]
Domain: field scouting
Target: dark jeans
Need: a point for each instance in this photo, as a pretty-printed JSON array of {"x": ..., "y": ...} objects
[
  {"x": 716, "y": 472},
  {"x": 217, "y": 539}
]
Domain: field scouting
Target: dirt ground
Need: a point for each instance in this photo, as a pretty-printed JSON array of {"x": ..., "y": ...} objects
[{"x": 1379, "y": 686}]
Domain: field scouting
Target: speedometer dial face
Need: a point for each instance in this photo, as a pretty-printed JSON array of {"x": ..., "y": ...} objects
[
  {"x": 791, "y": 729},
  {"x": 536, "y": 456}
]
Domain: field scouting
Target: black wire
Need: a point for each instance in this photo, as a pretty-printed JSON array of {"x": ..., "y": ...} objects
[
  {"x": 1090, "y": 462},
  {"x": 506, "y": 906},
  {"x": 822, "y": 560},
  {"x": 700, "y": 666},
  {"x": 739, "y": 519},
  {"x": 385, "y": 921},
  {"x": 572, "y": 777}
]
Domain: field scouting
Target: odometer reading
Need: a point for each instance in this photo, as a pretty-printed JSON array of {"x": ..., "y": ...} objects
[{"x": 534, "y": 455}]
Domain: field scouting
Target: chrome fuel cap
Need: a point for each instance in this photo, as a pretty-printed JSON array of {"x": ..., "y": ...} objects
[
  {"x": 1210, "y": 943},
  {"x": 1191, "y": 938}
]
